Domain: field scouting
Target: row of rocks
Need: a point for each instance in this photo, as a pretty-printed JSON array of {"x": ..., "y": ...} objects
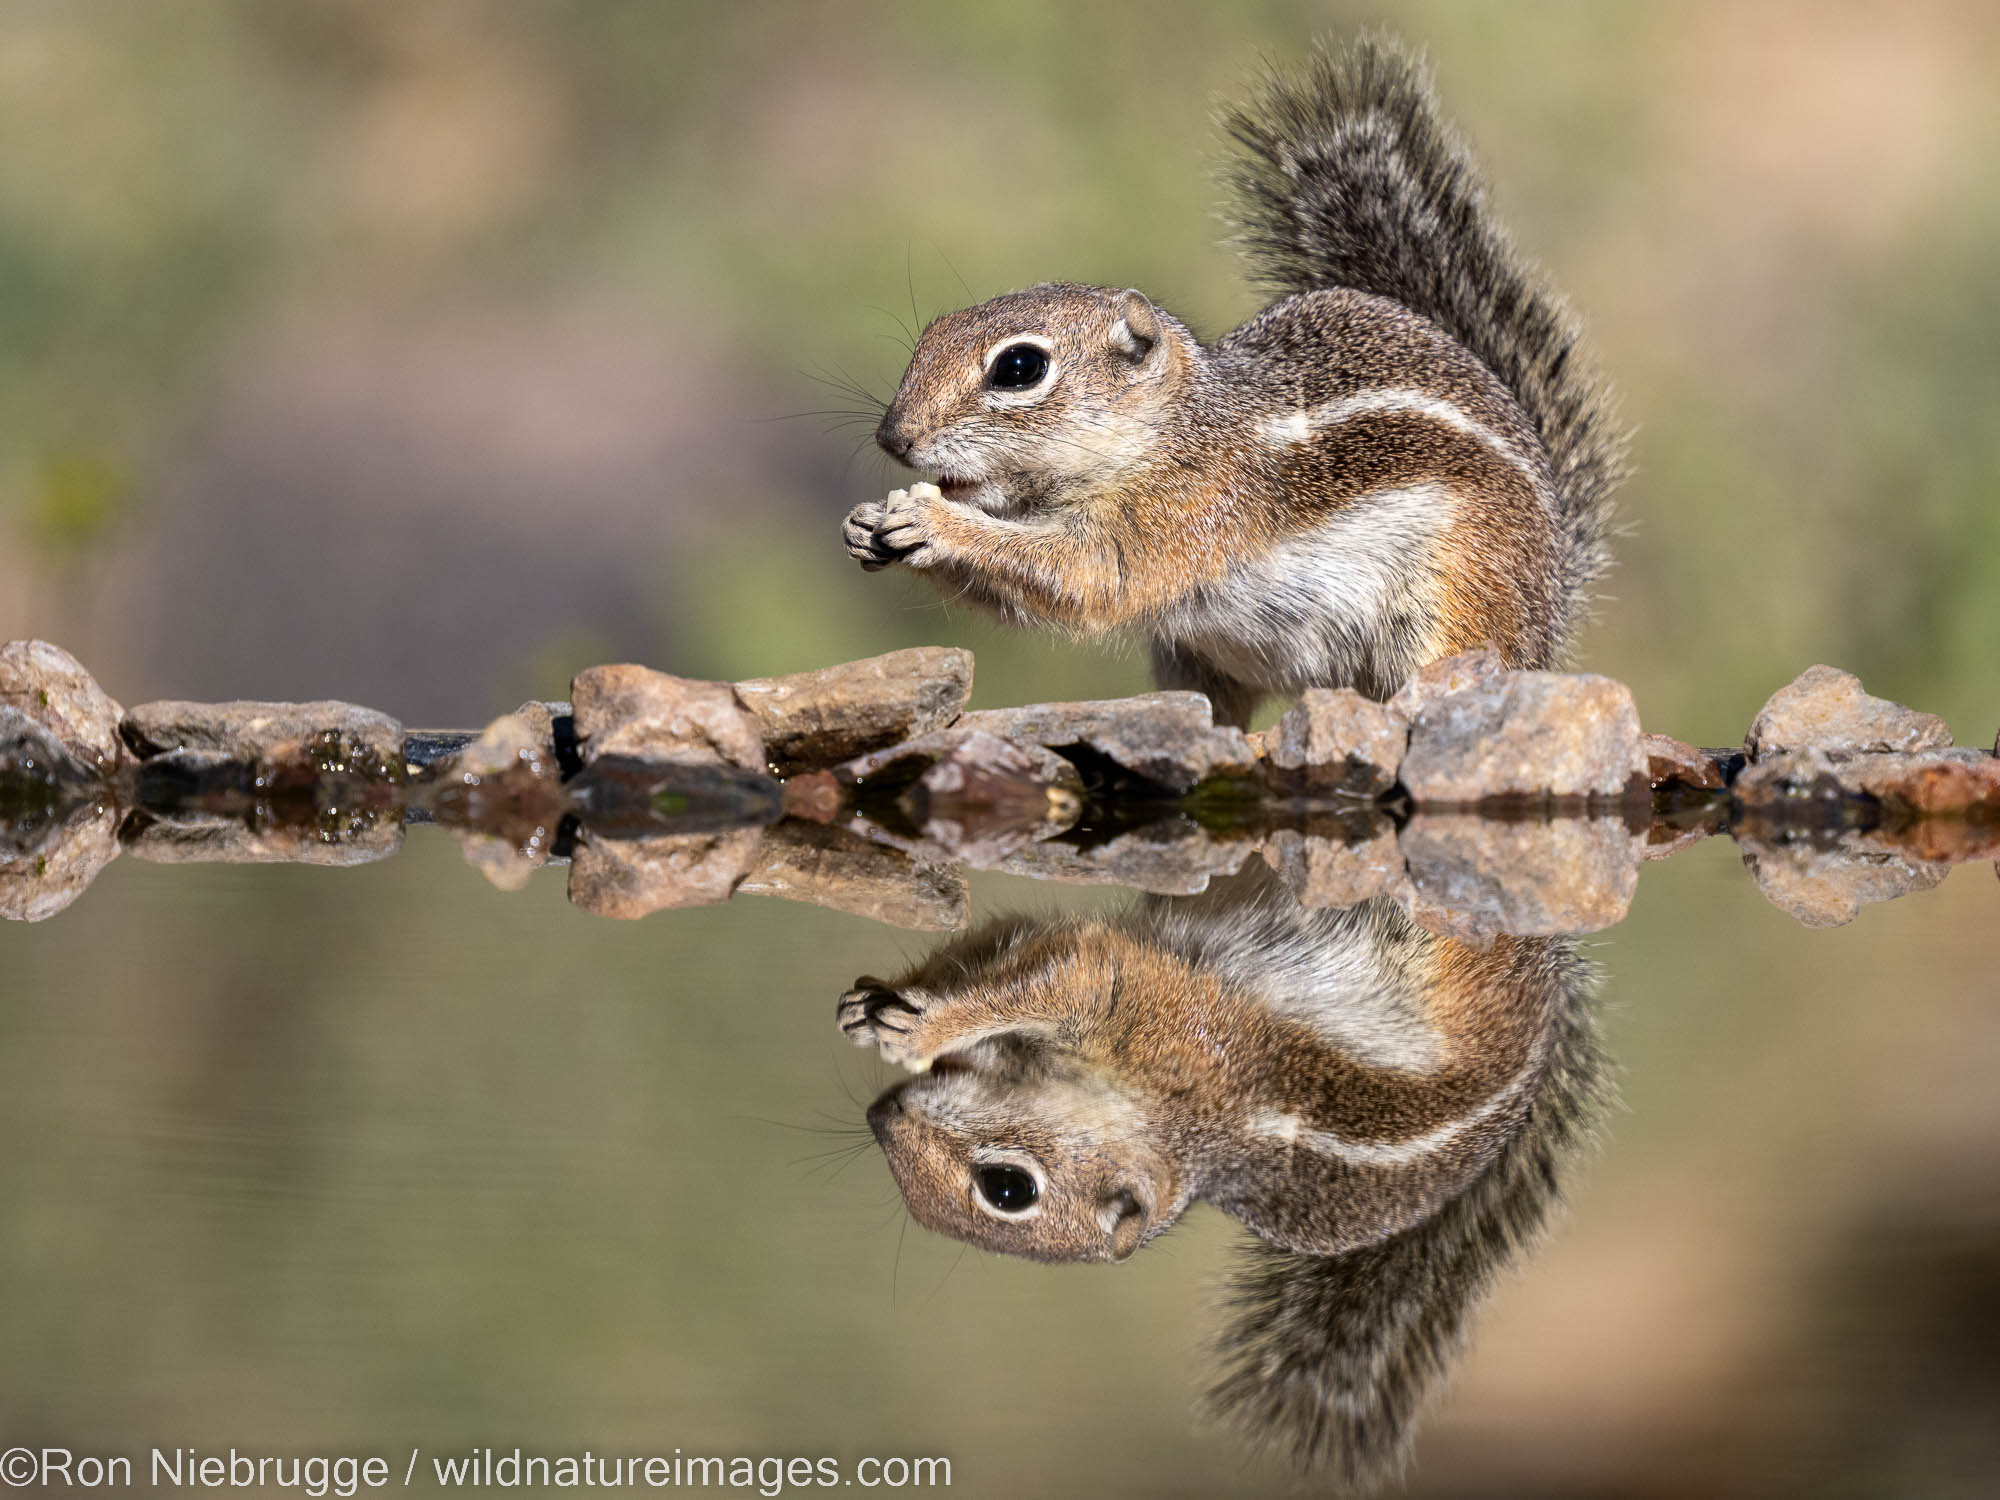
[{"x": 884, "y": 750}]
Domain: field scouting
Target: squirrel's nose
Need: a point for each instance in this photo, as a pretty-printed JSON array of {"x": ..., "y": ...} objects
[{"x": 894, "y": 441}]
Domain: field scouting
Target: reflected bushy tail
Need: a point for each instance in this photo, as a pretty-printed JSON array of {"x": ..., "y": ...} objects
[
  {"x": 1349, "y": 176},
  {"x": 1327, "y": 1360}
]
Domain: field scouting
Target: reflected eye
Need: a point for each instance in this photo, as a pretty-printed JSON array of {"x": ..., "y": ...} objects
[
  {"x": 1007, "y": 1189},
  {"x": 1018, "y": 367}
]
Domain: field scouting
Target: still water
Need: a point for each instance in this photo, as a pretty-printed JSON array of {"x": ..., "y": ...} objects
[{"x": 387, "y": 1161}]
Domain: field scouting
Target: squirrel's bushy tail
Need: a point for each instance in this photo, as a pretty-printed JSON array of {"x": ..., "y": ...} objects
[
  {"x": 1328, "y": 1360},
  {"x": 1349, "y": 176}
]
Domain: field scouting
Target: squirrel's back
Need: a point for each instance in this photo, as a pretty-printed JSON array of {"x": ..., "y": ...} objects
[{"x": 1349, "y": 176}]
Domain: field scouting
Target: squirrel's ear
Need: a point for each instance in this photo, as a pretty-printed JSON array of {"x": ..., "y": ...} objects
[
  {"x": 1135, "y": 326},
  {"x": 1121, "y": 1216}
]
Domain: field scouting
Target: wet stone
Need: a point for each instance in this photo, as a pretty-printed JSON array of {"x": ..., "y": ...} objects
[
  {"x": 1825, "y": 709},
  {"x": 1168, "y": 739},
  {"x": 1672, "y": 762},
  {"x": 834, "y": 868},
  {"x": 1335, "y": 740},
  {"x": 49, "y": 687},
  {"x": 815, "y": 719},
  {"x": 1172, "y": 857},
  {"x": 983, "y": 796},
  {"x": 1330, "y": 872},
  {"x": 501, "y": 796},
  {"x": 1473, "y": 877},
  {"x": 1525, "y": 735},
  {"x": 815, "y": 796},
  {"x": 46, "y": 863},
  {"x": 336, "y": 837},
  {"x": 627, "y": 878},
  {"x": 1827, "y": 887},
  {"x": 305, "y": 739},
  {"x": 634, "y": 713}
]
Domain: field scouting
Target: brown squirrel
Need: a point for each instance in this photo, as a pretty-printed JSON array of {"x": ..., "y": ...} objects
[
  {"x": 1390, "y": 1112},
  {"x": 1402, "y": 458}
]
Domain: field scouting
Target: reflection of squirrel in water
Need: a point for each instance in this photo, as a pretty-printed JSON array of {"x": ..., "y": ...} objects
[
  {"x": 1389, "y": 1111},
  {"x": 1401, "y": 458}
]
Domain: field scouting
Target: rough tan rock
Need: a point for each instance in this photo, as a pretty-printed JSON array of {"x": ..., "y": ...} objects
[
  {"x": 1446, "y": 676},
  {"x": 1672, "y": 762},
  {"x": 1170, "y": 739},
  {"x": 1825, "y": 709},
  {"x": 1929, "y": 784},
  {"x": 1335, "y": 740},
  {"x": 321, "y": 738},
  {"x": 59, "y": 863},
  {"x": 1331, "y": 872},
  {"x": 634, "y": 713},
  {"x": 1524, "y": 734},
  {"x": 1473, "y": 877},
  {"x": 1827, "y": 887},
  {"x": 629, "y": 878},
  {"x": 814, "y": 719},
  {"x": 49, "y": 687},
  {"x": 834, "y": 868}
]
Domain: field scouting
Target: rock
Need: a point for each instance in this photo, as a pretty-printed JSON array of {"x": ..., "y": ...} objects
[
  {"x": 985, "y": 797},
  {"x": 307, "y": 739},
  {"x": 834, "y": 868},
  {"x": 814, "y": 719},
  {"x": 1446, "y": 676},
  {"x": 1524, "y": 735},
  {"x": 34, "y": 764},
  {"x": 1825, "y": 709},
  {"x": 1672, "y": 762},
  {"x": 1335, "y": 740},
  {"x": 336, "y": 838},
  {"x": 1172, "y": 857},
  {"x": 1169, "y": 739},
  {"x": 634, "y": 713},
  {"x": 816, "y": 796},
  {"x": 1827, "y": 887},
  {"x": 501, "y": 796},
  {"x": 629, "y": 878},
  {"x": 49, "y": 687},
  {"x": 1927, "y": 784},
  {"x": 1473, "y": 877},
  {"x": 42, "y": 874},
  {"x": 1328, "y": 872}
]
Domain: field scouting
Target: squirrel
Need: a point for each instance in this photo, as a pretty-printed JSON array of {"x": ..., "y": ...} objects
[
  {"x": 1403, "y": 457},
  {"x": 1389, "y": 1112}
]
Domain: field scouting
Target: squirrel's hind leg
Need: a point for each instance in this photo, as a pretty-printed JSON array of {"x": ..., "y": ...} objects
[{"x": 1176, "y": 669}]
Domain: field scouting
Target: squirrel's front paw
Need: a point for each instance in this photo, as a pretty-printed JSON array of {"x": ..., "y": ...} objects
[
  {"x": 905, "y": 532},
  {"x": 858, "y": 533},
  {"x": 873, "y": 1015}
]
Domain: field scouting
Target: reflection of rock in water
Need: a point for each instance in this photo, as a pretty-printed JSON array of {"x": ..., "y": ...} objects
[{"x": 1391, "y": 1112}]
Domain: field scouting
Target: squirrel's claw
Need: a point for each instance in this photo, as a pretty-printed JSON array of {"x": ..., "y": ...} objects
[
  {"x": 873, "y": 1015},
  {"x": 860, "y": 535}
]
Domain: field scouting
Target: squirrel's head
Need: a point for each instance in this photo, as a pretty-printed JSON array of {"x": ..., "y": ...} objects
[
  {"x": 1010, "y": 1147},
  {"x": 1033, "y": 394}
]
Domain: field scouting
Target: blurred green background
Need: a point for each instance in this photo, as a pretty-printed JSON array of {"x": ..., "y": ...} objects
[{"x": 421, "y": 354}]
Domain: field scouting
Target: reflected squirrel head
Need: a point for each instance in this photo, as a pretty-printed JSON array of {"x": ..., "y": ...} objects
[
  {"x": 1010, "y": 1146},
  {"x": 1035, "y": 393}
]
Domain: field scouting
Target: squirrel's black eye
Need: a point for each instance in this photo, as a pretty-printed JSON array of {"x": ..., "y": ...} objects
[
  {"x": 1008, "y": 1189},
  {"x": 1017, "y": 367}
]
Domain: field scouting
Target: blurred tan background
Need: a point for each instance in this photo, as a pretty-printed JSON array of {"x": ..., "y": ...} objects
[{"x": 421, "y": 354}]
